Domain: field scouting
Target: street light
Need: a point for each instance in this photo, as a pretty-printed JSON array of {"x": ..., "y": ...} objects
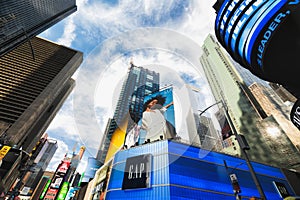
[{"x": 243, "y": 145}]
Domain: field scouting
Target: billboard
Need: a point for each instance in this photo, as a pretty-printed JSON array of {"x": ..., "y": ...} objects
[
  {"x": 63, "y": 191},
  {"x": 158, "y": 119},
  {"x": 45, "y": 189},
  {"x": 92, "y": 166},
  {"x": 51, "y": 194},
  {"x": 63, "y": 167},
  {"x": 263, "y": 36}
]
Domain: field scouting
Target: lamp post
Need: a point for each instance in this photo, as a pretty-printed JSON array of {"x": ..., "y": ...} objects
[{"x": 243, "y": 145}]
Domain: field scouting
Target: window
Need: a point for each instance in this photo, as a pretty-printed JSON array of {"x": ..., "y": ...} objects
[{"x": 149, "y": 77}]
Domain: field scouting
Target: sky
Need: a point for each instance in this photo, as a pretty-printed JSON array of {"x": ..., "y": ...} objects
[{"x": 162, "y": 35}]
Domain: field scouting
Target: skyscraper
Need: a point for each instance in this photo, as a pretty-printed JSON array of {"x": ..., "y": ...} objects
[
  {"x": 273, "y": 105},
  {"x": 283, "y": 93},
  {"x": 21, "y": 20},
  {"x": 268, "y": 141},
  {"x": 139, "y": 83},
  {"x": 32, "y": 91},
  {"x": 41, "y": 159}
]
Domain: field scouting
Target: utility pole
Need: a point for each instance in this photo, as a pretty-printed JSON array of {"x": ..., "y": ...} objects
[{"x": 243, "y": 145}]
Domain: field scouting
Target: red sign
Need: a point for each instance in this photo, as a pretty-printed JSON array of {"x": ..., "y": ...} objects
[
  {"x": 51, "y": 193},
  {"x": 64, "y": 166}
]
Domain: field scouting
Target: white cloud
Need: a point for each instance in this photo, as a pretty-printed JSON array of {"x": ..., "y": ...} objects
[
  {"x": 99, "y": 20},
  {"x": 69, "y": 34}
]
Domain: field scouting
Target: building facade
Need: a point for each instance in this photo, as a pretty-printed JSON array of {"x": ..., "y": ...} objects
[
  {"x": 40, "y": 162},
  {"x": 139, "y": 83},
  {"x": 274, "y": 106},
  {"x": 21, "y": 20},
  {"x": 32, "y": 91},
  {"x": 172, "y": 170},
  {"x": 283, "y": 93},
  {"x": 269, "y": 143}
]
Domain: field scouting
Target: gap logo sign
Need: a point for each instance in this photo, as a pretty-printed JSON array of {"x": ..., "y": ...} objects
[{"x": 137, "y": 172}]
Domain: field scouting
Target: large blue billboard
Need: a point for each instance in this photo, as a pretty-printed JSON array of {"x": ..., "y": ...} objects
[
  {"x": 180, "y": 171},
  {"x": 91, "y": 168}
]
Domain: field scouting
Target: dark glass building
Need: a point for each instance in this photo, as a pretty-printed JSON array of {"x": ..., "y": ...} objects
[
  {"x": 21, "y": 20},
  {"x": 139, "y": 83},
  {"x": 32, "y": 91}
]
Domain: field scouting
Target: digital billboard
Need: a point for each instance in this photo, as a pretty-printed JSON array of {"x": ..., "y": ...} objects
[
  {"x": 63, "y": 167},
  {"x": 63, "y": 191},
  {"x": 51, "y": 194},
  {"x": 263, "y": 36},
  {"x": 158, "y": 119}
]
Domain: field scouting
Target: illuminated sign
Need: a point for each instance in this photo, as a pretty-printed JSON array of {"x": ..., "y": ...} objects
[
  {"x": 246, "y": 28},
  {"x": 64, "y": 166},
  {"x": 4, "y": 150},
  {"x": 137, "y": 172},
  {"x": 45, "y": 189},
  {"x": 295, "y": 114},
  {"x": 63, "y": 191},
  {"x": 281, "y": 189},
  {"x": 51, "y": 194}
]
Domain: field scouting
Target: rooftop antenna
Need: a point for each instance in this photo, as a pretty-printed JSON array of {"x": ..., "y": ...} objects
[{"x": 131, "y": 63}]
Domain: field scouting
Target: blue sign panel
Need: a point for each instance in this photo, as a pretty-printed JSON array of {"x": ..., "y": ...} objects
[{"x": 181, "y": 171}]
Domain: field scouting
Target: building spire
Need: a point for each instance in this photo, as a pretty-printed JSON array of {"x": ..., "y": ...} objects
[{"x": 131, "y": 63}]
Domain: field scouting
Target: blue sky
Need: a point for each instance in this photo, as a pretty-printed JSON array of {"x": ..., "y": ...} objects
[{"x": 164, "y": 33}]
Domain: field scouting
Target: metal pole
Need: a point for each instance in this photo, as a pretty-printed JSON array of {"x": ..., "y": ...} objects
[{"x": 244, "y": 153}]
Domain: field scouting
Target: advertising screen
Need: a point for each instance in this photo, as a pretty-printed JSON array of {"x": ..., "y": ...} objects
[
  {"x": 158, "y": 119},
  {"x": 262, "y": 36},
  {"x": 91, "y": 168},
  {"x": 45, "y": 189},
  {"x": 63, "y": 167},
  {"x": 63, "y": 191},
  {"x": 51, "y": 194}
]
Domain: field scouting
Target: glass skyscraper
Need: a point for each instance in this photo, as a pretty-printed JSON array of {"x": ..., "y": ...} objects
[
  {"x": 32, "y": 91},
  {"x": 21, "y": 20},
  {"x": 139, "y": 83},
  {"x": 268, "y": 141}
]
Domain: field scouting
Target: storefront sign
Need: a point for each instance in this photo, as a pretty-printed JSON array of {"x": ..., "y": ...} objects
[{"x": 137, "y": 172}]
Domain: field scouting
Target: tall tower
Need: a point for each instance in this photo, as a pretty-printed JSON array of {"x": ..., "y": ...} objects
[
  {"x": 41, "y": 159},
  {"x": 139, "y": 83},
  {"x": 268, "y": 141},
  {"x": 21, "y": 20},
  {"x": 32, "y": 91}
]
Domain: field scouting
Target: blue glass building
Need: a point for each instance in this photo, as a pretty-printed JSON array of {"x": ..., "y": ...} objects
[
  {"x": 180, "y": 171},
  {"x": 139, "y": 83}
]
